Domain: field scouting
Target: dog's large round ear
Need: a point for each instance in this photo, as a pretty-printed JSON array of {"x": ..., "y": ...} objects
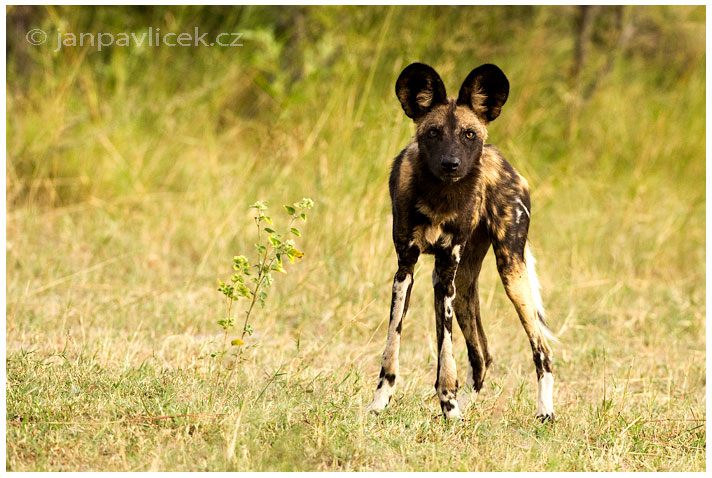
[
  {"x": 419, "y": 89},
  {"x": 484, "y": 90}
]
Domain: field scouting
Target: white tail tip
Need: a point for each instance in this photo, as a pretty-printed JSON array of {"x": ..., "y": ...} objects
[{"x": 536, "y": 293}]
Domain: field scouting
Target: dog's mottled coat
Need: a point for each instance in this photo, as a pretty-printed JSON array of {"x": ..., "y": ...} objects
[{"x": 453, "y": 196}]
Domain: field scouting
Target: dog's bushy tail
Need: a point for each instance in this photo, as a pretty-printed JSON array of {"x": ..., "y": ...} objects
[{"x": 536, "y": 293}]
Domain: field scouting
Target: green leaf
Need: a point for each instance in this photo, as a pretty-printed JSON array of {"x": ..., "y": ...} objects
[
  {"x": 240, "y": 262},
  {"x": 303, "y": 216},
  {"x": 227, "y": 290},
  {"x": 270, "y": 230},
  {"x": 305, "y": 203},
  {"x": 243, "y": 291},
  {"x": 268, "y": 219},
  {"x": 237, "y": 342},
  {"x": 278, "y": 268},
  {"x": 275, "y": 242},
  {"x": 296, "y": 232},
  {"x": 261, "y": 206},
  {"x": 290, "y": 210}
]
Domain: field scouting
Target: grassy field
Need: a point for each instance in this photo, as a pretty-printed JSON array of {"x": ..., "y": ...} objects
[{"x": 129, "y": 172}]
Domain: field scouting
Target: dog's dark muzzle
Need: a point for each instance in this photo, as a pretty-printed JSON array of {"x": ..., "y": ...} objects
[{"x": 449, "y": 165}]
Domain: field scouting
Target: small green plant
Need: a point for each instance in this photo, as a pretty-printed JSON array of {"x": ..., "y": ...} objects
[{"x": 252, "y": 281}]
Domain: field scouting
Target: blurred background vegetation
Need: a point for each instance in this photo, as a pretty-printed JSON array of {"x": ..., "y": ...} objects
[
  {"x": 129, "y": 171},
  {"x": 127, "y": 120}
]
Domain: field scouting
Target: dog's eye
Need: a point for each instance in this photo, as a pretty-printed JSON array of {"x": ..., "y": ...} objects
[
  {"x": 433, "y": 133},
  {"x": 469, "y": 134}
]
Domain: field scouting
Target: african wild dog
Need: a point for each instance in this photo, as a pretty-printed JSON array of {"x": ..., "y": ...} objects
[{"x": 453, "y": 196}]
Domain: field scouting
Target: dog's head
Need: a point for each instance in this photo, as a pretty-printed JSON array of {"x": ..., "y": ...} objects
[{"x": 451, "y": 132}]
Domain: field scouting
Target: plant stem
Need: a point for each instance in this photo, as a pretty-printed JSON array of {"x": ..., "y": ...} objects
[
  {"x": 261, "y": 274},
  {"x": 258, "y": 284},
  {"x": 260, "y": 279},
  {"x": 227, "y": 326}
]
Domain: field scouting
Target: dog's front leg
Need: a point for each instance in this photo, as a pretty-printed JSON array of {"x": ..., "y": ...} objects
[
  {"x": 402, "y": 284},
  {"x": 446, "y": 262}
]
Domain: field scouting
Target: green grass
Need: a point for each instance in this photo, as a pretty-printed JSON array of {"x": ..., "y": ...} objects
[{"x": 129, "y": 172}]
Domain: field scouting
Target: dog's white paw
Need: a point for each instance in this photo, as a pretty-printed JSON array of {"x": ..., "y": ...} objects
[
  {"x": 545, "y": 398},
  {"x": 380, "y": 400},
  {"x": 451, "y": 410}
]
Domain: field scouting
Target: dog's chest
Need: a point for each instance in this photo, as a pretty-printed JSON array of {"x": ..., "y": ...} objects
[
  {"x": 436, "y": 229},
  {"x": 427, "y": 236}
]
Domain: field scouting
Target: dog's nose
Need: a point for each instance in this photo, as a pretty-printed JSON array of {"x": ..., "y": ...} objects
[{"x": 450, "y": 164}]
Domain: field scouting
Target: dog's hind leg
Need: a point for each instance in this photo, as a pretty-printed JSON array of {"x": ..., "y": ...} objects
[
  {"x": 402, "y": 284},
  {"x": 467, "y": 311},
  {"x": 516, "y": 268}
]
